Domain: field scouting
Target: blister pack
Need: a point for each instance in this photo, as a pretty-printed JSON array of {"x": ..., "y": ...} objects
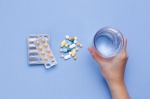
[{"x": 39, "y": 51}]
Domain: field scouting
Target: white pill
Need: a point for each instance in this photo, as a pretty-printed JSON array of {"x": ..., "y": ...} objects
[
  {"x": 75, "y": 38},
  {"x": 67, "y": 57},
  {"x": 72, "y": 46},
  {"x": 67, "y": 37},
  {"x": 70, "y": 53},
  {"x": 75, "y": 41}
]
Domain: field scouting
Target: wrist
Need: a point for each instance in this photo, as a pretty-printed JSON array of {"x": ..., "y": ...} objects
[
  {"x": 118, "y": 89},
  {"x": 116, "y": 83}
]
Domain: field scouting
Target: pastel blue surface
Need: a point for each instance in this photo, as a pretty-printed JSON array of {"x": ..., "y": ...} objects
[{"x": 79, "y": 79}]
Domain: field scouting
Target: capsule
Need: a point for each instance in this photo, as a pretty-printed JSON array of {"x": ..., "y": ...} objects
[
  {"x": 63, "y": 43},
  {"x": 67, "y": 37},
  {"x": 71, "y": 39},
  {"x": 66, "y": 57},
  {"x": 72, "y": 46},
  {"x": 73, "y": 53},
  {"x": 75, "y": 38}
]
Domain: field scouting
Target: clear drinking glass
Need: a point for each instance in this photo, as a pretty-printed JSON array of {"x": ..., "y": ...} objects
[{"x": 108, "y": 42}]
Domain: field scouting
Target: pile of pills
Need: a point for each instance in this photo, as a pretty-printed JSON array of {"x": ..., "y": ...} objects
[{"x": 69, "y": 47}]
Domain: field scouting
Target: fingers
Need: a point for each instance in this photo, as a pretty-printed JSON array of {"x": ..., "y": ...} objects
[
  {"x": 125, "y": 54},
  {"x": 124, "y": 49},
  {"x": 125, "y": 43},
  {"x": 95, "y": 55}
]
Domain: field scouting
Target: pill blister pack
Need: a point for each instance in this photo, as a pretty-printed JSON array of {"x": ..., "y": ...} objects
[{"x": 39, "y": 51}]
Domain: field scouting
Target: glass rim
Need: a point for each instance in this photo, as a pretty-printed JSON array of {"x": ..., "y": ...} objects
[{"x": 112, "y": 31}]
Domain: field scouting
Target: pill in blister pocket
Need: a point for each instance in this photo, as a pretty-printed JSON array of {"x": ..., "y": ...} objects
[{"x": 45, "y": 45}]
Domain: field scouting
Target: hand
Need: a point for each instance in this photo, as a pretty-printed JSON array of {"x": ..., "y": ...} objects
[{"x": 113, "y": 69}]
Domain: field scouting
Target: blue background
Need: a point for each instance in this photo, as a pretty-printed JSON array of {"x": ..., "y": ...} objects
[{"x": 79, "y": 79}]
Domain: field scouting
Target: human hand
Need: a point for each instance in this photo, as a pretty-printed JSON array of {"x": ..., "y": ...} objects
[{"x": 113, "y": 69}]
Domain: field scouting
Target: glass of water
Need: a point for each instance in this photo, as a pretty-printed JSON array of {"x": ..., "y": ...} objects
[{"x": 108, "y": 42}]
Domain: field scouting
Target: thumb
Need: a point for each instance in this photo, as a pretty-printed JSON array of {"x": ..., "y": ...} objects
[{"x": 95, "y": 54}]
